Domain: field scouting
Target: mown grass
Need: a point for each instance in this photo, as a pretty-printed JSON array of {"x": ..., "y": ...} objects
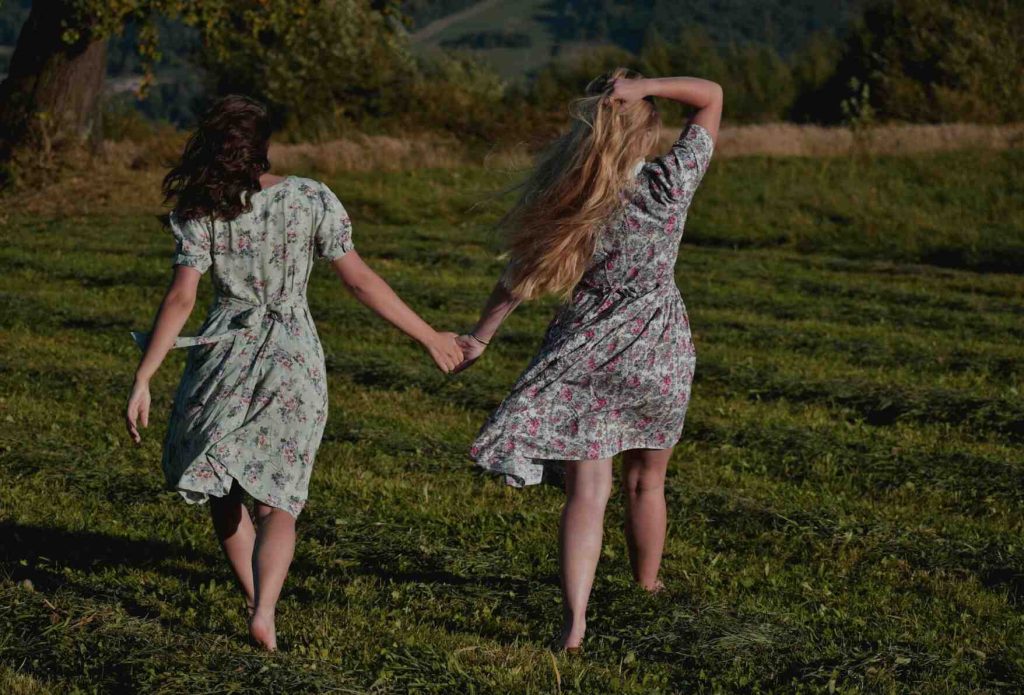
[{"x": 844, "y": 508}]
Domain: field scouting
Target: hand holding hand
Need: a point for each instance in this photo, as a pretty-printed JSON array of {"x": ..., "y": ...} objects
[
  {"x": 472, "y": 348},
  {"x": 137, "y": 410},
  {"x": 445, "y": 351}
]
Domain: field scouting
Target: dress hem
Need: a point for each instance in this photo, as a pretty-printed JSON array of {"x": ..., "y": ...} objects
[
  {"x": 543, "y": 463},
  {"x": 186, "y": 492}
]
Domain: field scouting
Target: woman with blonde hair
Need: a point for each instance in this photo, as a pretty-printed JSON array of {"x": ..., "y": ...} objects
[{"x": 600, "y": 227}]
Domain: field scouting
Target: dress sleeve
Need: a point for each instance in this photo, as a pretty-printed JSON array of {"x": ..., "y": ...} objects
[
  {"x": 677, "y": 173},
  {"x": 333, "y": 233},
  {"x": 192, "y": 246}
]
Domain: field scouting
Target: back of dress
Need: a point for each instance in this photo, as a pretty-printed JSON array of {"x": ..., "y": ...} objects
[
  {"x": 638, "y": 248},
  {"x": 252, "y": 403}
]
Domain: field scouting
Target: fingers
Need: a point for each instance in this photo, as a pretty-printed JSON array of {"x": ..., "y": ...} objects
[
  {"x": 144, "y": 414},
  {"x": 133, "y": 430}
]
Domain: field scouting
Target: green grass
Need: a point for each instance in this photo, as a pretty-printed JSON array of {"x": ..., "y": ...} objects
[{"x": 844, "y": 507}]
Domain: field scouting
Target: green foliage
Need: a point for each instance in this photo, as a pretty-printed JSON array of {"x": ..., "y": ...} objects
[
  {"x": 844, "y": 509},
  {"x": 934, "y": 61},
  {"x": 321, "y": 66}
]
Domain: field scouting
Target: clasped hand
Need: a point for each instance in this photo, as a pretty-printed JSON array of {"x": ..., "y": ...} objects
[{"x": 452, "y": 353}]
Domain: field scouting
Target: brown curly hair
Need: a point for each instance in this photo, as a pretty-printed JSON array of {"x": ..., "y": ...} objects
[{"x": 222, "y": 162}]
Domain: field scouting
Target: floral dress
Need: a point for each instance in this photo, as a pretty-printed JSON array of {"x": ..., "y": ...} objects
[
  {"x": 252, "y": 403},
  {"x": 615, "y": 367}
]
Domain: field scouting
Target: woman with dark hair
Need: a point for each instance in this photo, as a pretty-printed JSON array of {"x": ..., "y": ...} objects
[{"x": 250, "y": 410}]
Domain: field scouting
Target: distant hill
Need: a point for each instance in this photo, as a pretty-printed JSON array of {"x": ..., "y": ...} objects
[{"x": 519, "y": 36}]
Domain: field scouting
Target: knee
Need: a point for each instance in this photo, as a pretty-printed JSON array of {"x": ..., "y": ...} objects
[
  {"x": 643, "y": 481},
  {"x": 594, "y": 492},
  {"x": 265, "y": 514}
]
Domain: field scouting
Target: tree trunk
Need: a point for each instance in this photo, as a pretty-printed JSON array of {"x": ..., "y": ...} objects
[{"x": 51, "y": 94}]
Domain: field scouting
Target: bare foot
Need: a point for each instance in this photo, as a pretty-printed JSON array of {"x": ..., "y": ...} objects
[
  {"x": 572, "y": 635},
  {"x": 262, "y": 631},
  {"x": 656, "y": 588}
]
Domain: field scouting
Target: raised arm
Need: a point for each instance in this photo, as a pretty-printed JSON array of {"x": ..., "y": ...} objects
[
  {"x": 174, "y": 311},
  {"x": 370, "y": 289},
  {"x": 499, "y": 305},
  {"x": 704, "y": 95}
]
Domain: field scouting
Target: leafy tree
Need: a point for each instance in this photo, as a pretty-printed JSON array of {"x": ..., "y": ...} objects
[
  {"x": 932, "y": 60},
  {"x": 56, "y": 73}
]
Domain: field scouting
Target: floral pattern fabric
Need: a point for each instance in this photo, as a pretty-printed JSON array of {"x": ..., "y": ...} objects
[
  {"x": 616, "y": 364},
  {"x": 252, "y": 402}
]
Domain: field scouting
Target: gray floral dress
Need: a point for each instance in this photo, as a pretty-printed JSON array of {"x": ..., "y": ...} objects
[
  {"x": 252, "y": 403},
  {"x": 615, "y": 367}
]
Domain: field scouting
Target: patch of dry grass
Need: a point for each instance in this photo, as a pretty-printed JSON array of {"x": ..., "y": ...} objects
[
  {"x": 126, "y": 176},
  {"x": 788, "y": 139}
]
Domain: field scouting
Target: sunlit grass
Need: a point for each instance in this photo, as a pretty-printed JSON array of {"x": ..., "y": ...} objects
[{"x": 844, "y": 508}]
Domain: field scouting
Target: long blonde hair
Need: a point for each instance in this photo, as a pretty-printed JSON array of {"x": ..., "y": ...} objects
[{"x": 551, "y": 231}]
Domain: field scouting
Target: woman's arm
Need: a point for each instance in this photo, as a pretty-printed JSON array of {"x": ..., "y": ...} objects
[
  {"x": 706, "y": 96},
  {"x": 499, "y": 305},
  {"x": 174, "y": 311},
  {"x": 370, "y": 289}
]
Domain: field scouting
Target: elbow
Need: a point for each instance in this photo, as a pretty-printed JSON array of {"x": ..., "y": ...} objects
[
  {"x": 716, "y": 95},
  {"x": 180, "y": 301},
  {"x": 358, "y": 284}
]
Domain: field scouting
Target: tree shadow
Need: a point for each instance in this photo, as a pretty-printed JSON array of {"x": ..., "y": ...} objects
[{"x": 41, "y": 555}]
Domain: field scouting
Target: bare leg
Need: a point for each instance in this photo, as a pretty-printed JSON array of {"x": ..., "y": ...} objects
[
  {"x": 643, "y": 490},
  {"x": 275, "y": 546},
  {"x": 237, "y": 538},
  {"x": 588, "y": 485}
]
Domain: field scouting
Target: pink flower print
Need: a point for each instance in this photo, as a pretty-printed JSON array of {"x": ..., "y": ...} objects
[
  {"x": 690, "y": 164},
  {"x": 591, "y": 363},
  {"x": 613, "y": 364},
  {"x": 666, "y": 385},
  {"x": 650, "y": 252},
  {"x": 643, "y": 423},
  {"x": 615, "y": 414},
  {"x": 632, "y": 273},
  {"x": 660, "y": 272},
  {"x": 474, "y": 451},
  {"x": 559, "y": 444},
  {"x": 589, "y": 333},
  {"x": 638, "y": 326},
  {"x": 600, "y": 403},
  {"x": 532, "y": 392},
  {"x": 574, "y": 428},
  {"x": 612, "y": 346},
  {"x": 533, "y": 427},
  {"x": 262, "y": 440},
  {"x": 670, "y": 224},
  {"x": 633, "y": 223},
  {"x": 677, "y": 192},
  {"x": 593, "y": 450},
  {"x": 661, "y": 438},
  {"x": 606, "y": 305},
  {"x": 510, "y": 445},
  {"x": 633, "y": 381},
  {"x": 610, "y": 263},
  {"x": 566, "y": 393}
]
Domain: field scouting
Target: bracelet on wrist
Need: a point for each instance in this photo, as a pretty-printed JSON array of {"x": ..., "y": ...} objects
[{"x": 477, "y": 338}]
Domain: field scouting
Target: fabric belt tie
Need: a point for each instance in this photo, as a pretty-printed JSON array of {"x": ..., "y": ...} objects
[{"x": 249, "y": 316}]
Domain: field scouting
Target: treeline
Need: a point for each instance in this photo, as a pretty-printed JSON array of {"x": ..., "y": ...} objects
[
  {"x": 327, "y": 69},
  {"x": 348, "y": 66}
]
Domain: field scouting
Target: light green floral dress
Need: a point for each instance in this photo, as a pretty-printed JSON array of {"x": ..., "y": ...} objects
[{"x": 252, "y": 402}]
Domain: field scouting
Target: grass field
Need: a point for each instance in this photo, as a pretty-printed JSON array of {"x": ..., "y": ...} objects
[{"x": 845, "y": 508}]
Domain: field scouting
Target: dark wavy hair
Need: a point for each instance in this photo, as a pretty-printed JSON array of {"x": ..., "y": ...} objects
[{"x": 222, "y": 162}]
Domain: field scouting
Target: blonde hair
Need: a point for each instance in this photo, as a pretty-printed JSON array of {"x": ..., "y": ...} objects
[{"x": 577, "y": 184}]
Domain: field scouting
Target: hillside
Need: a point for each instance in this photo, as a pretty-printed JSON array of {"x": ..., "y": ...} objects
[{"x": 517, "y": 37}]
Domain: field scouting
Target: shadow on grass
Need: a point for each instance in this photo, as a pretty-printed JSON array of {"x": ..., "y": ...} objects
[{"x": 41, "y": 554}]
